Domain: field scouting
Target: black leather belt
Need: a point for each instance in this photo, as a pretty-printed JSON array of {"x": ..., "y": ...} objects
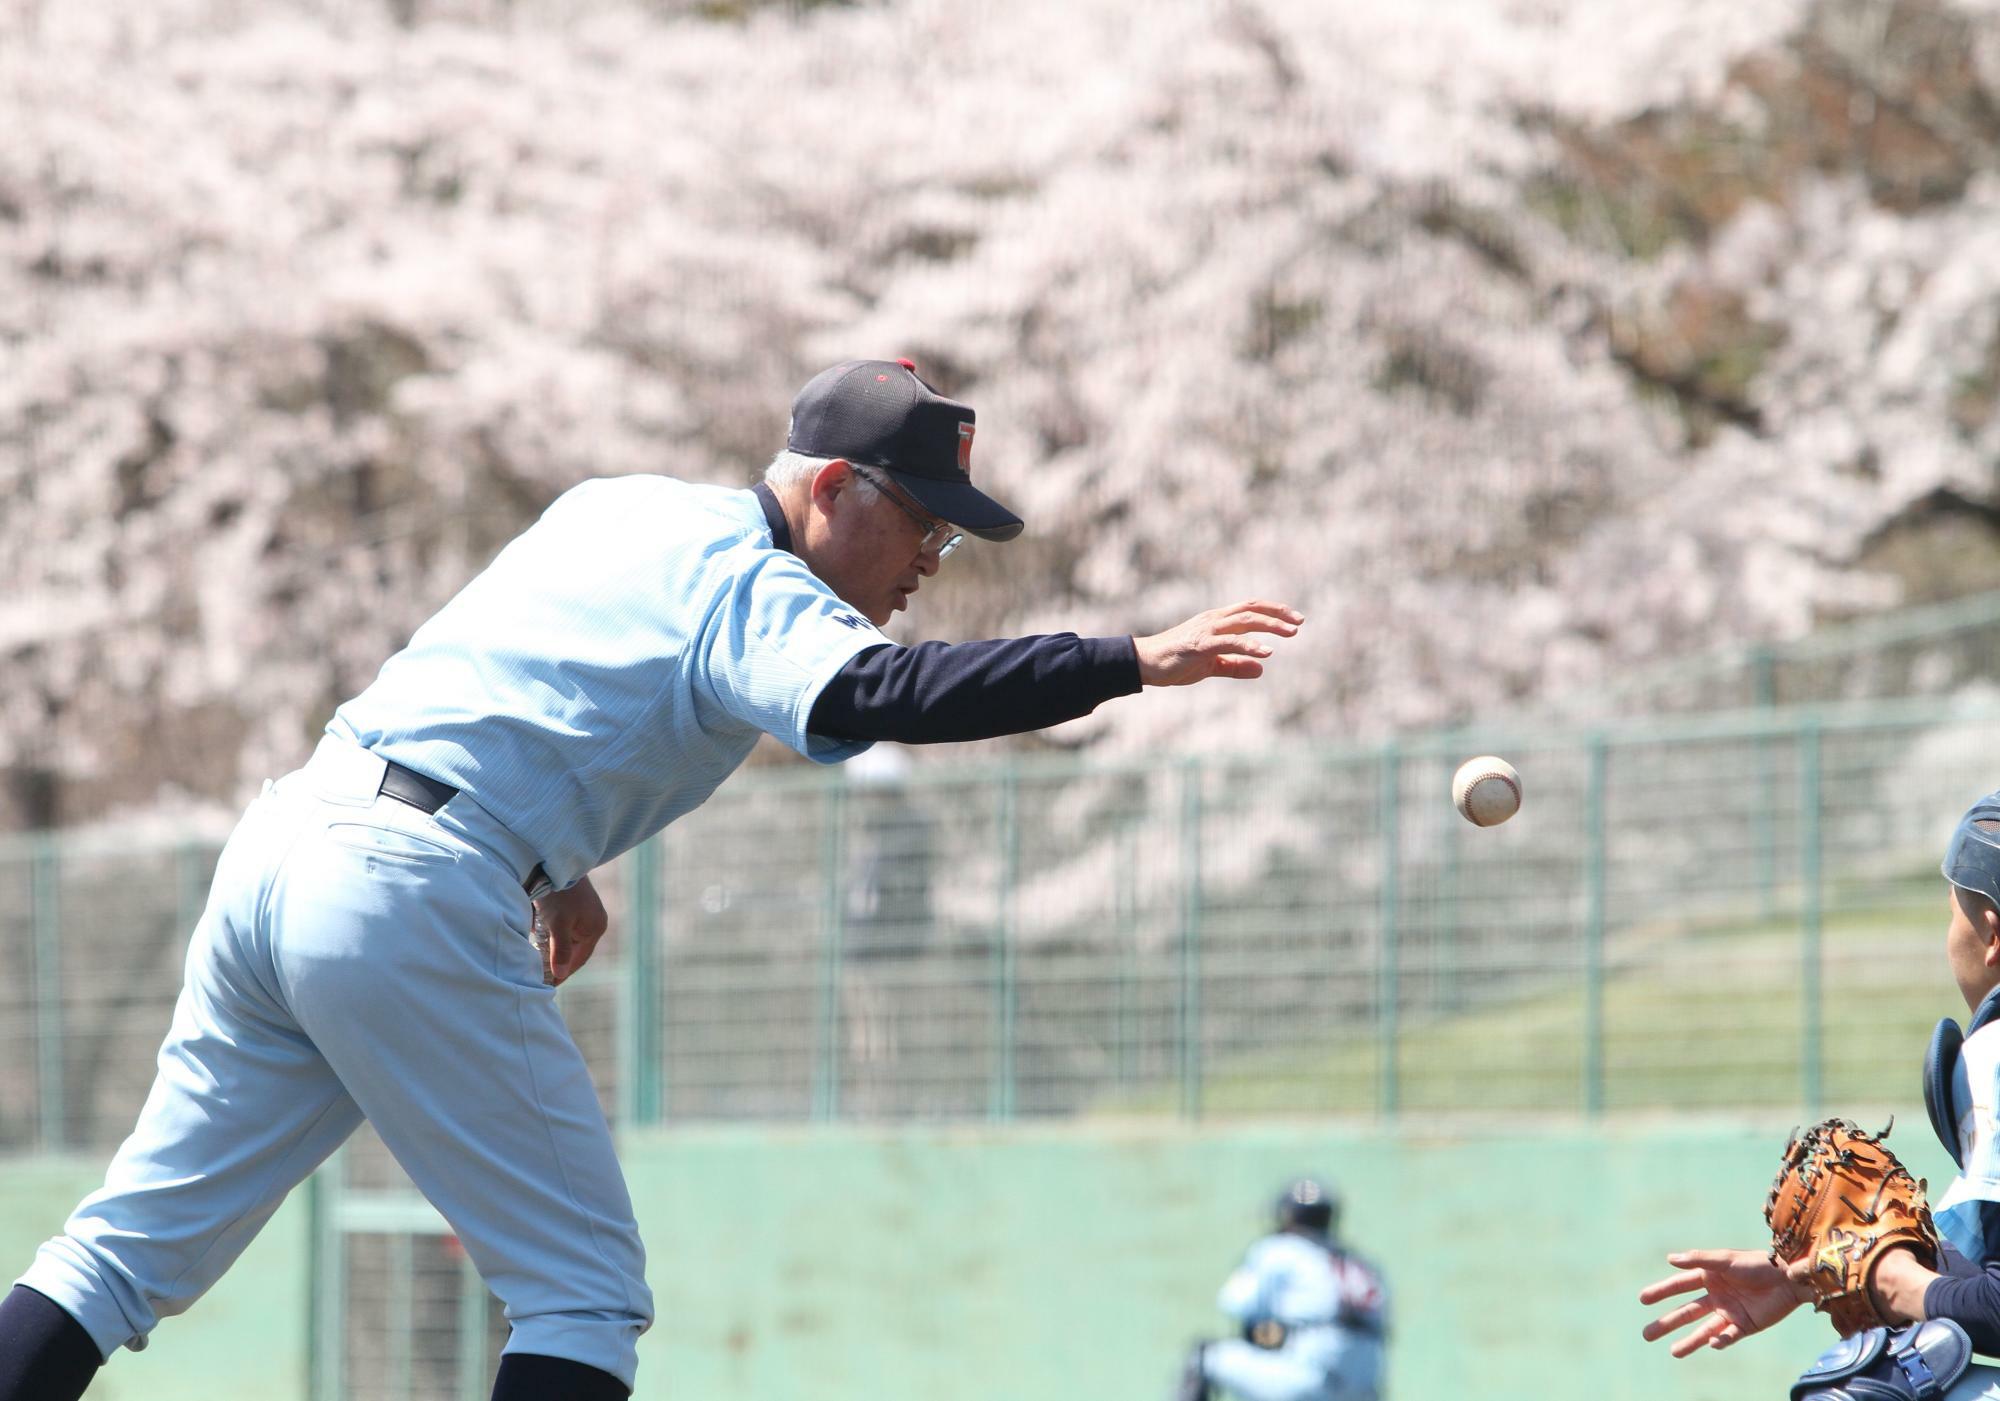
[
  {"x": 409, "y": 786},
  {"x": 428, "y": 795}
]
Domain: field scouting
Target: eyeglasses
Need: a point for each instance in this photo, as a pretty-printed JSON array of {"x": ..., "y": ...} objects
[{"x": 941, "y": 536}]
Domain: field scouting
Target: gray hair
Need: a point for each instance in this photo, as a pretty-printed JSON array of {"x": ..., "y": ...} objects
[{"x": 789, "y": 469}]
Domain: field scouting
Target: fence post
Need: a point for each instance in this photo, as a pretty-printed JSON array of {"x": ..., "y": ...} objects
[
  {"x": 473, "y": 1383},
  {"x": 401, "y": 1290},
  {"x": 1593, "y": 929},
  {"x": 1764, "y": 676},
  {"x": 1810, "y": 905},
  {"x": 326, "y": 1342},
  {"x": 1000, "y": 1102},
  {"x": 1191, "y": 913},
  {"x": 1389, "y": 819},
  {"x": 1127, "y": 924},
  {"x": 190, "y": 886},
  {"x": 833, "y": 923},
  {"x": 1764, "y": 696},
  {"x": 44, "y": 894},
  {"x": 1444, "y": 930},
  {"x": 642, "y": 1083}
]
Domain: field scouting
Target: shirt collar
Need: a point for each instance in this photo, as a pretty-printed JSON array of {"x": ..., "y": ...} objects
[{"x": 781, "y": 530}]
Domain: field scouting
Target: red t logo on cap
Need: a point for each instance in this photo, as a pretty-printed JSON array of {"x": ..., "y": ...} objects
[{"x": 965, "y": 448}]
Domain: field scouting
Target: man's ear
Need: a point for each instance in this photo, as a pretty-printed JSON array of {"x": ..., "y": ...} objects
[
  {"x": 1989, "y": 926},
  {"x": 829, "y": 482}
]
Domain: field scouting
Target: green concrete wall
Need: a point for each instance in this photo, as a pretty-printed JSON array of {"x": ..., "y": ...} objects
[
  {"x": 246, "y": 1341},
  {"x": 1069, "y": 1264},
  {"x": 1075, "y": 1264}
]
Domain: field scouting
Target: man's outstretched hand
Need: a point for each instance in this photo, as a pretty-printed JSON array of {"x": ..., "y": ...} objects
[
  {"x": 1742, "y": 1293},
  {"x": 1219, "y": 642}
]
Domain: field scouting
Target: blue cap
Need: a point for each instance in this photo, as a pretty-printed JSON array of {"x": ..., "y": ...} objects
[{"x": 1972, "y": 859}]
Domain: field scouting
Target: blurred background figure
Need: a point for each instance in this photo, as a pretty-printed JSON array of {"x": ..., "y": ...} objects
[
  {"x": 1315, "y": 1315},
  {"x": 888, "y": 899}
]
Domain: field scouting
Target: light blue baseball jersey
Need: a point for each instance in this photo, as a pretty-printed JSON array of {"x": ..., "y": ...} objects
[
  {"x": 1335, "y": 1307},
  {"x": 1969, "y": 1211},
  {"x": 612, "y": 666}
]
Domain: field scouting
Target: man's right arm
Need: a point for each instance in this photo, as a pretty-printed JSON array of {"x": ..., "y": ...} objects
[
  {"x": 937, "y": 692},
  {"x": 940, "y": 692},
  {"x": 1242, "y": 1294}
]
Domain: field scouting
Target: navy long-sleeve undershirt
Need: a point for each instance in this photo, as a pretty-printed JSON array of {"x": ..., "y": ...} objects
[
  {"x": 942, "y": 692},
  {"x": 1969, "y": 1295}
]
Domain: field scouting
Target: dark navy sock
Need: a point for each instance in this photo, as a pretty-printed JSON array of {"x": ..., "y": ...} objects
[
  {"x": 44, "y": 1353},
  {"x": 528, "y": 1376}
]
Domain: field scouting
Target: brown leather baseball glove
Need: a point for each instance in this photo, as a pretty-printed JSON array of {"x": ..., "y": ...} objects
[{"x": 1841, "y": 1199}]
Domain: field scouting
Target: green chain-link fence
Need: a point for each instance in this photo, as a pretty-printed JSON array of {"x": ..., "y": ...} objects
[
  {"x": 1671, "y": 923},
  {"x": 1929, "y": 650}
]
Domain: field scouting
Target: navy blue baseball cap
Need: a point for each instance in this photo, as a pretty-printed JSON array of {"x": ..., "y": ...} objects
[
  {"x": 1972, "y": 859},
  {"x": 878, "y": 413},
  {"x": 1309, "y": 1202}
]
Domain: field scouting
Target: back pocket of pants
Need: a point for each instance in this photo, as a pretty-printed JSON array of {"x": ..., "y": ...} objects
[{"x": 389, "y": 843}]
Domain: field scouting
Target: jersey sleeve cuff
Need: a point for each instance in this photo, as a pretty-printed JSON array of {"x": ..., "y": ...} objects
[{"x": 1116, "y": 659}]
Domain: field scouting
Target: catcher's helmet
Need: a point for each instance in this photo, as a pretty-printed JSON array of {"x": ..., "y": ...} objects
[
  {"x": 1972, "y": 861},
  {"x": 1309, "y": 1204}
]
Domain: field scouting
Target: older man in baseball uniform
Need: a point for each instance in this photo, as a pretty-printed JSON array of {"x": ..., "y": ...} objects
[{"x": 374, "y": 944}]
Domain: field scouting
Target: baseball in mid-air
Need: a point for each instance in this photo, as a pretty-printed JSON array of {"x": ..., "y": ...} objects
[{"x": 1486, "y": 791}]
